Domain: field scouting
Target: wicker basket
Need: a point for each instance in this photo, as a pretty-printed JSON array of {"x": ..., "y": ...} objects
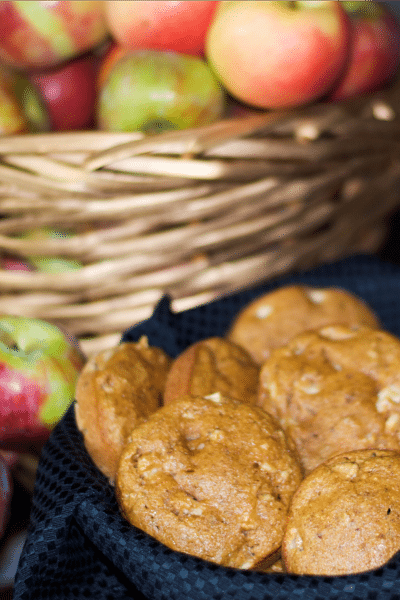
[{"x": 196, "y": 213}]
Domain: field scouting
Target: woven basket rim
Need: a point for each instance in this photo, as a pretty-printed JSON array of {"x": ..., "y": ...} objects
[{"x": 195, "y": 213}]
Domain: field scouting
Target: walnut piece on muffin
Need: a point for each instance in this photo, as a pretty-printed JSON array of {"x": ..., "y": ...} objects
[
  {"x": 118, "y": 389},
  {"x": 345, "y": 516},
  {"x": 210, "y": 476}
]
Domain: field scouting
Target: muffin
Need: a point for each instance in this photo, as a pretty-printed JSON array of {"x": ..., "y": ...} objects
[
  {"x": 213, "y": 365},
  {"x": 273, "y": 319},
  {"x": 210, "y": 476},
  {"x": 116, "y": 390},
  {"x": 345, "y": 516},
  {"x": 335, "y": 390}
]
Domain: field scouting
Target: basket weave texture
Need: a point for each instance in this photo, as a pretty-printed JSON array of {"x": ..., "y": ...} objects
[{"x": 196, "y": 214}]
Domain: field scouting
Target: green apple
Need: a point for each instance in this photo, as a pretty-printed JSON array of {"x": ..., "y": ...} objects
[
  {"x": 38, "y": 35},
  {"x": 154, "y": 91},
  {"x": 22, "y": 109},
  {"x": 50, "y": 264}
]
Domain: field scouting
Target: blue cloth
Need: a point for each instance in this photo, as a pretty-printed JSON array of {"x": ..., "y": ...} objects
[{"x": 79, "y": 546}]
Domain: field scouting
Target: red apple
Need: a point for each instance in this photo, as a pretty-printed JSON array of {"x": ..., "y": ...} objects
[
  {"x": 43, "y": 34},
  {"x": 69, "y": 93},
  {"x": 21, "y": 107},
  {"x": 278, "y": 54},
  {"x": 39, "y": 367},
  {"x": 374, "y": 49},
  {"x": 154, "y": 91},
  {"x": 11, "y": 263},
  {"x": 178, "y": 26}
]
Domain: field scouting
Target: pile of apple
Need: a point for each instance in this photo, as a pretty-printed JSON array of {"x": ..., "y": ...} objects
[
  {"x": 125, "y": 65},
  {"x": 159, "y": 65}
]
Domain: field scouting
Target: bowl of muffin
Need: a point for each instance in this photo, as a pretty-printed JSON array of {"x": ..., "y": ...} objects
[
  {"x": 283, "y": 435},
  {"x": 227, "y": 450}
]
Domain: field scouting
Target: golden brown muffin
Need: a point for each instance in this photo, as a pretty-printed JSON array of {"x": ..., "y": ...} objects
[
  {"x": 213, "y": 365},
  {"x": 117, "y": 390},
  {"x": 272, "y": 320},
  {"x": 209, "y": 476},
  {"x": 345, "y": 516},
  {"x": 334, "y": 390}
]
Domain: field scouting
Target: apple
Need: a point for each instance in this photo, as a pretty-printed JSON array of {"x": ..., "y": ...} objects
[
  {"x": 278, "y": 54},
  {"x": 112, "y": 55},
  {"x": 153, "y": 91},
  {"x": 43, "y": 34},
  {"x": 11, "y": 263},
  {"x": 178, "y": 26},
  {"x": 12, "y": 118},
  {"x": 69, "y": 93},
  {"x": 22, "y": 110},
  {"x": 374, "y": 50},
  {"x": 6, "y": 491},
  {"x": 39, "y": 367},
  {"x": 50, "y": 264}
]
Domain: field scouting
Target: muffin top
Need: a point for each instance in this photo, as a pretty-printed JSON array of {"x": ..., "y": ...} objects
[
  {"x": 273, "y": 319},
  {"x": 210, "y": 476},
  {"x": 335, "y": 389},
  {"x": 345, "y": 516},
  {"x": 213, "y": 365}
]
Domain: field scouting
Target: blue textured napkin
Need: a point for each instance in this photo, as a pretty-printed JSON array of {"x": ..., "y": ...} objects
[{"x": 79, "y": 546}]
